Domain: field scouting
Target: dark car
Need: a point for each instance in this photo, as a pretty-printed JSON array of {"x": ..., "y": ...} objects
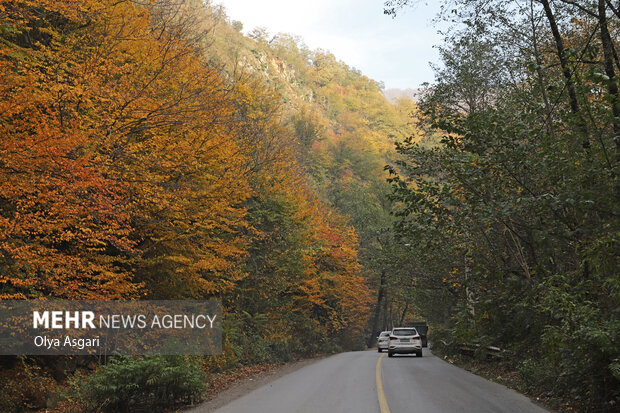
[{"x": 422, "y": 328}]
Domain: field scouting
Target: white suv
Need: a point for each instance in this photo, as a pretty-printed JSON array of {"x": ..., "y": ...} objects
[
  {"x": 404, "y": 340},
  {"x": 383, "y": 340}
]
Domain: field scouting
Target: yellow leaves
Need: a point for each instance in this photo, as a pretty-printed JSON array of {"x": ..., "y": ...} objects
[
  {"x": 311, "y": 290},
  {"x": 131, "y": 164},
  {"x": 116, "y": 134}
]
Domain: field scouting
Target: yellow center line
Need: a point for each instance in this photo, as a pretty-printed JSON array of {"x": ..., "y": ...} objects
[{"x": 383, "y": 405}]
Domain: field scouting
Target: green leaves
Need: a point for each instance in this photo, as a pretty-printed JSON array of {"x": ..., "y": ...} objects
[
  {"x": 129, "y": 384},
  {"x": 513, "y": 213}
]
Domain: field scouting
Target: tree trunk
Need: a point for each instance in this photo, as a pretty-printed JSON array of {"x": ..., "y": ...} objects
[
  {"x": 375, "y": 319},
  {"x": 608, "y": 53},
  {"x": 559, "y": 44},
  {"x": 402, "y": 316},
  {"x": 539, "y": 72}
]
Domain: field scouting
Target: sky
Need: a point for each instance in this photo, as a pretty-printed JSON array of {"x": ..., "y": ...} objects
[{"x": 395, "y": 51}]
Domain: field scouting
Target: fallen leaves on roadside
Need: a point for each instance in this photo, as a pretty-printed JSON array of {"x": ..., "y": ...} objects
[{"x": 218, "y": 382}]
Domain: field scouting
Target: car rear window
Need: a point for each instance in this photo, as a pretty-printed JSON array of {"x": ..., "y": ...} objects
[{"x": 405, "y": 332}]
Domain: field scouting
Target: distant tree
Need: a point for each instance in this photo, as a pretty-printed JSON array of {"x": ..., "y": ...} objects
[{"x": 237, "y": 25}]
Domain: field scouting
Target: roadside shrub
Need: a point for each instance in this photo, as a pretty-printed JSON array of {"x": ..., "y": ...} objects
[
  {"x": 139, "y": 384},
  {"x": 537, "y": 375},
  {"x": 24, "y": 385},
  {"x": 355, "y": 344},
  {"x": 280, "y": 352}
]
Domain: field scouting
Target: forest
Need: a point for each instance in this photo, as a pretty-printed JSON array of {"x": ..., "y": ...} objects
[
  {"x": 509, "y": 206},
  {"x": 150, "y": 150}
]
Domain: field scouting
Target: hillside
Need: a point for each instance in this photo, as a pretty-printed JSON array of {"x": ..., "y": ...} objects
[
  {"x": 340, "y": 123},
  {"x": 158, "y": 153}
]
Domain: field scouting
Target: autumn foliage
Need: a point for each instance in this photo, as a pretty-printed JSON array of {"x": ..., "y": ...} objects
[
  {"x": 131, "y": 166},
  {"x": 137, "y": 162}
]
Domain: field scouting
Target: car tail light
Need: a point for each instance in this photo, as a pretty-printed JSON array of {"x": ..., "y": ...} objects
[{"x": 393, "y": 338}]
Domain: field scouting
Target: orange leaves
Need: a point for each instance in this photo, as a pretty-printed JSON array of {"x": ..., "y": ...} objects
[
  {"x": 129, "y": 167},
  {"x": 53, "y": 200},
  {"x": 117, "y": 157},
  {"x": 333, "y": 287}
]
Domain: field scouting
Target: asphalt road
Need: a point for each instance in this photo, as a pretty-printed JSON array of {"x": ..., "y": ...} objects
[{"x": 364, "y": 381}]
